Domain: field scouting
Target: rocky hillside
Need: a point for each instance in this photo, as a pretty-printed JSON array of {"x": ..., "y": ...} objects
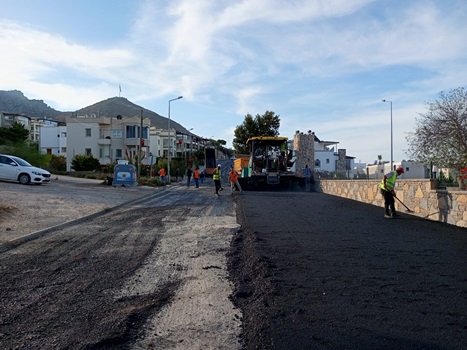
[{"x": 15, "y": 102}]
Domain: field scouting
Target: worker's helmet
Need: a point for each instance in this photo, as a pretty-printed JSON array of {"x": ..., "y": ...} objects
[
  {"x": 218, "y": 165},
  {"x": 400, "y": 170}
]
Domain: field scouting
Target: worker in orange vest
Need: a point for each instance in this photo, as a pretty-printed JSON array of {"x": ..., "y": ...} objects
[
  {"x": 233, "y": 179},
  {"x": 196, "y": 177},
  {"x": 162, "y": 174}
]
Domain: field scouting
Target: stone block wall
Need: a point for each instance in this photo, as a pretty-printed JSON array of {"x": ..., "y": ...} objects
[
  {"x": 420, "y": 195},
  {"x": 304, "y": 146}
]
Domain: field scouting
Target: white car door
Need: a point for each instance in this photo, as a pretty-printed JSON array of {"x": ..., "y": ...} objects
[{"x": 8, "y": 171}]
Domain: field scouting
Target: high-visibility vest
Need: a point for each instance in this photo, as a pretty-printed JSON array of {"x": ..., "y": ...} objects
[
  {"x": 195, "y": 174},
  {"x": 162, "y": 172},
  {"x": 233, "y": 176},
  {"x": 390, "y": 182},
  {"x": 216, "y": 174}
]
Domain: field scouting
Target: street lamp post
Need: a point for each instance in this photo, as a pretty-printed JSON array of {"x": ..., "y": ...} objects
[
  {"x": 392, "y": 158},
  {"x": 168, "y": 129}
]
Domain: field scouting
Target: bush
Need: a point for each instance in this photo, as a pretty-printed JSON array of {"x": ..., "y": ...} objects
[
  {"x": 150, "y": 181},
  {"x": 82, "y": 162},
  {"x": 58, "y": 163}
]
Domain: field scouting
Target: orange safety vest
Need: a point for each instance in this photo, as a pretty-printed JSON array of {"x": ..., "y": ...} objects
[
  {"x": 162, "y": 172},
  {"x": 233, "y": 176},
  {"x": 195, "y": 174}
]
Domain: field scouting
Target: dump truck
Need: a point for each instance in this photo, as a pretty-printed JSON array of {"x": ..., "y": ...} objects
[
  {"x": 270, "y": 164},
  {"x": 210, "y": 160}
]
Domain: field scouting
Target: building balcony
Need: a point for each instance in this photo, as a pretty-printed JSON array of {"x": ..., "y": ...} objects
[
  {"x": 105, "y": 141},
  {"x": 135, "y": 142}
]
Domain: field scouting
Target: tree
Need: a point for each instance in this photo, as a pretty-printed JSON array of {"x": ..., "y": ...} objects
[
  {"x": 261, "y": 125},
  {"x": 15, "y": 134},
  {"x": 440, "y": 136}
]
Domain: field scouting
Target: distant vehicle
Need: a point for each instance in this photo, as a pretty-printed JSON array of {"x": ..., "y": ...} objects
[
  {"x": 210, "y": 160},
  {"x": 16, "y": 169}
]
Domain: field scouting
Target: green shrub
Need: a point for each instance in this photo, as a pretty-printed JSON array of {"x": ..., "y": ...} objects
[
  {"x": 150, "y": 181},
  {"x": 58, "y": 163},
  {"x": 82, "y": 162}
]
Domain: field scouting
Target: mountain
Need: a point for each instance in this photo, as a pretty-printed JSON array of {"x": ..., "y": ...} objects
[{"x": 15, "y": 102}]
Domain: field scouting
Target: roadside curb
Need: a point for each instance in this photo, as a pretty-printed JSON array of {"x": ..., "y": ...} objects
[{"x": 9, "y": 245}]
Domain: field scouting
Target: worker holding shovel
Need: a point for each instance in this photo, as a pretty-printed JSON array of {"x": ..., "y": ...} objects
[{"x": 387, "y": 190}]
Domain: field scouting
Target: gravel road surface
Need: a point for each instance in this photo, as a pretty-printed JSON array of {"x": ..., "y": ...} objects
[{"x": 148, "y": 274}]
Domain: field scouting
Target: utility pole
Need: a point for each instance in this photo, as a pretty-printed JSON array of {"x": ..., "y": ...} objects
[{"x": 140, "y": 144}]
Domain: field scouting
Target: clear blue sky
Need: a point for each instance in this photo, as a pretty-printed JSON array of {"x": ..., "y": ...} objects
[{"x": 322, "y": 65}]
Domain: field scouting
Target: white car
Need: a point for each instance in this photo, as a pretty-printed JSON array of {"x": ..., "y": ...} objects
[{"x": 16, "y": 169}]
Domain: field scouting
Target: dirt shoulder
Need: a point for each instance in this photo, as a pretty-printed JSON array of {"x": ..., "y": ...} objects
[{"x": 28, "y": 208}]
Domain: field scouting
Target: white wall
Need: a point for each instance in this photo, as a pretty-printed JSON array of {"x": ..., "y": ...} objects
[{"x": 53, "y": 138}]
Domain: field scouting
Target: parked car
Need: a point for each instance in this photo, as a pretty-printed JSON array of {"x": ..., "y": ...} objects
[{"x": 16, "y": 169}]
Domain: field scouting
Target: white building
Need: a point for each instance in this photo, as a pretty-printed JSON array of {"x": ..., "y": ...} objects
[
  {"x": 327, "y": 160},
  {"x": 7, "y": 120},
  {"x": 412, "y": 170},
  {"x": 108, "y": 139},
  {"x": 53, "y": 140}
]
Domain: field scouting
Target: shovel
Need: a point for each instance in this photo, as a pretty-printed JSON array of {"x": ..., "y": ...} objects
[{"x": 406, "y": 207}]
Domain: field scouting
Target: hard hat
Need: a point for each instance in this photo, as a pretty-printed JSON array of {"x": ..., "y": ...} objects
[
  {"x": 218, "y": 165},
  {"x": 400, "y": 170}
]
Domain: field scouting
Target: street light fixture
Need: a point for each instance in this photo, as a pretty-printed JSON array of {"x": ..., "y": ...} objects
[
  {"x": 168, "y": 129},
  {"x": 392, "y": 159}
]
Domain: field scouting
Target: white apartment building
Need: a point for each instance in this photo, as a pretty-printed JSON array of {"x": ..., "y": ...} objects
[
  {"x": 108, "y": 139},
  {"x": 159, "y": 141},
  {"x": 325, "y": 156},
  {"x": 53, "y": 140},
  {"x": 328, "y": 160}
]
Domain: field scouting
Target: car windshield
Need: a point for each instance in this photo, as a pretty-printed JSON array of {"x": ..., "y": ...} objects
[{"x": 20, "y": 161}]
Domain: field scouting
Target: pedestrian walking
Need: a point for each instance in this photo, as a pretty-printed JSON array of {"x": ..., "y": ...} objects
[
  {"x": 233, "y": 179},
  {"x": 387, "y": 190},
  {"x": 216, "y": 176},
  {"x": 196, "y": 177},
  {"x": 188, "y": 176},
  {"x": 307, "y": 176},
  {"x": 162, "y": 174}
]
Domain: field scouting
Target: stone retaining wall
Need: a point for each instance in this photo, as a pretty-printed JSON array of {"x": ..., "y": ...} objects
[{"x": 421, "y": 196}]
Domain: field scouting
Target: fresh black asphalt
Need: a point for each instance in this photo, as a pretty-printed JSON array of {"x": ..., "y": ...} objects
[{"x": 314, "y": 271}]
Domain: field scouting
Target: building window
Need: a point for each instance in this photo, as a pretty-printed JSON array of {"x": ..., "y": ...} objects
[
  {"x": 87, "y": 151},
  {"x": 100, "y": 152},
  {"x": 317, "y": 163},
  {"x": 118, "y": 153},
  {"x": 327, "y": 161},
  {"x": 88, "y": 132},
  {"x": 117, "y": 134},
  {"x": 130, "y": 131}
]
